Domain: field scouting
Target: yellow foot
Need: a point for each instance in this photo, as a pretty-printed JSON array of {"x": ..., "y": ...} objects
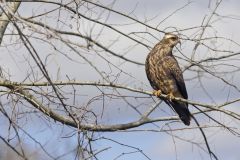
[
  {"x": 170, "y": 96},
  {"x": 157, "y": 93}
]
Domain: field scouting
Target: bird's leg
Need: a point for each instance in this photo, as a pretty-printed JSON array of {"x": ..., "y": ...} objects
[
  {"x": 170, "y": 96},
  {"x": 157, "y": 93}
]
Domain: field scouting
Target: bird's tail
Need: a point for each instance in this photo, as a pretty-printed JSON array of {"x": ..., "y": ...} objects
[{"x": 182, "y": 110}]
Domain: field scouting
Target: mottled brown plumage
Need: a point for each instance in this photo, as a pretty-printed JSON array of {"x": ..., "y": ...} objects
[{"x": 164, "y": 74}]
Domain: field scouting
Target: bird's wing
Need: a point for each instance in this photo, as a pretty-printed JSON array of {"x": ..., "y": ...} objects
[{"x": 175, "y": 72}]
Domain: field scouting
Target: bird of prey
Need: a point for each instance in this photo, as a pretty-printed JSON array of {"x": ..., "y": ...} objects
[{"x": 165, "y": 75}]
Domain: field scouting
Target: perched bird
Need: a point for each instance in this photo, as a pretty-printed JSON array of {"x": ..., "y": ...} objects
[{"x": 165, "y": 75}]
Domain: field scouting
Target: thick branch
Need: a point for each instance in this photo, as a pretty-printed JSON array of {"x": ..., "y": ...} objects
[{"x": 18, "y": 88}]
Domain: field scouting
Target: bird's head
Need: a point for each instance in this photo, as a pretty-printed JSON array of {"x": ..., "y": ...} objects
[{"x": 171, "y": 39}]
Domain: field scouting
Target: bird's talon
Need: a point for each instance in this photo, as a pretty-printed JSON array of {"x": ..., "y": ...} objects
[
  {"x": 157, "y": 93},
  {"x": 170, "y": 96}
]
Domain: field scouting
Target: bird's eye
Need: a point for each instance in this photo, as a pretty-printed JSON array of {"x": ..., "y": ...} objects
[{"x": 174, "y": 38}]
